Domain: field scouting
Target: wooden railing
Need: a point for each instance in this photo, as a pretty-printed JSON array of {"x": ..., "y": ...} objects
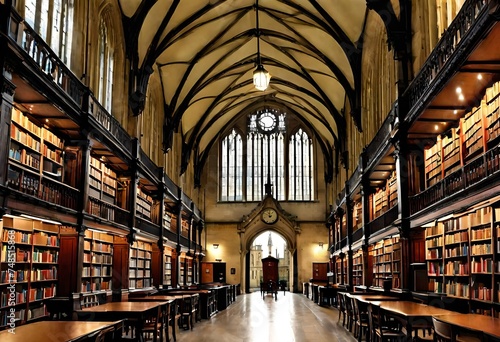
[
  {"x": 383, "y": 221},
  {"x": 43, "y": 56},
  {"x": 357, "y": 235},
  {"x": 107, "y": 211},
  {"x": 149, "y": 165},
  {"x": 444, "y": 49},
  {"x": 109, "y": 123},
  {"x": 481, "y": 169}
]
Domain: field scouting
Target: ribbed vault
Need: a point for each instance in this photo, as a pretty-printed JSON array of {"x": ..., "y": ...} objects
[{"x": 206, "y": 51}]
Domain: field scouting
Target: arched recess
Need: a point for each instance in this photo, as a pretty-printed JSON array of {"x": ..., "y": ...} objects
[{"x": 252, "y": 226}]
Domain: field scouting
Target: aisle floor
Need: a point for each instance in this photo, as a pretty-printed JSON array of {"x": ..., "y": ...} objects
[{"x": 292, "y": 317}]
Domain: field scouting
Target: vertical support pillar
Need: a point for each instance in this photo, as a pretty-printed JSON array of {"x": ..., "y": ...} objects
[
  {"x": 134, "y": 182},
  {"x": 7, "y": 89},
  {"x": 400, "y": 156}
]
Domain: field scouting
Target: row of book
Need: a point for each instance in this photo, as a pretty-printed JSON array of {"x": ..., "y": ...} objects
[
  {"x": 104, "y": 271},
  {"x": 96, "y": 285},
  {"x": 457, "y": 237},
  {"x": 42, "y": 238},
  {"x": 457, "y": 289},
  {"x": 24, "y": 138},
  {"x": 44, "y": 274},
  {"x": 45, "y": 256},
  {"x": 12, "y": 276},
  {"x": 456, "y": 268},
  {"x": 478, "y": 234},
  {"x": 434, "y": 242},
  {"x": 16, "y": 236},
  {"x": 481, "y": 265},
  {"x": 139, "y": 273},
  {"x": 98, "y": 258},
  {"x": 42, "y": 292},
  {"x": 484, "y": 248},
  {"x": 20, "y": 296},
  {"x": 54, "y": 155},
  {"x": 435, "y": 253},
  {"x": 456, "y": 251},
  {"x": 22, "y": 120}
]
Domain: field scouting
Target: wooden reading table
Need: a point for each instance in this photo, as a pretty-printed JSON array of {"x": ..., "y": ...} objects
[
  {"x": 56, "y": 331},
  {"x": 170, "y": 309},
  {"x": 137, "y": 312},
  {"x": 477, "y": 323},
  {"x": 367, "y": 298},
  {"x": 411, "y": 312}
]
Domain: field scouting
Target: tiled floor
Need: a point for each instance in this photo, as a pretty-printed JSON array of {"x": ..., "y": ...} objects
[{"x": 292, "y": 317}]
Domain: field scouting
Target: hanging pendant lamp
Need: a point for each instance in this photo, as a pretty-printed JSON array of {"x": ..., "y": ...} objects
[{"x": 261, "y": 76}]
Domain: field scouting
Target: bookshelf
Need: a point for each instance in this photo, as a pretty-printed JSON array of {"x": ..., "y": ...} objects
[
  {"x": 434, "y": 257},
  {"x": 167, "y": 276},
  {"x": 472, "y": 124},
  {"x": 462, "y": 256},
  {"x": 387, "y": 262},
  {"x": 338, "y": 271},
  {"x": 144, "y": 204},
  {"x": 36, "y": 162},
  {"x": 185, "y": 269},
  {"x": 379, "y": 203},
  {"x": 140, "y": 265},
  {"x": 451, "y": 152},
  {"x": 357, "y": 216},
  {"x": 492, "y": 101},
  {"x": 167, "y": 220},
  {"x": 97, "y": 262},
  {"x": 392, "y": 184},
  {"x": 357, "y": 268},
  {"x": 433, "y": 167},
  {"x": 185, "y": 228},
  {"x": 103, "y": 186},
  {"x": 29, "y": 259}
]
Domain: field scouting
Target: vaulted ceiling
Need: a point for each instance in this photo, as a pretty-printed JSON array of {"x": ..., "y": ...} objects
[{"x": 206, "y": 52}]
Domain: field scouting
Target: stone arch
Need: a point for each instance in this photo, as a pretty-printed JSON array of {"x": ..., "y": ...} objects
[{"x": 284, "y": 227}]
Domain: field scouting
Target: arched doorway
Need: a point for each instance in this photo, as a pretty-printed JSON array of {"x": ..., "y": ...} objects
[
  {"x": 268, "y": 243},
  {"x": 255, "y": 224}
]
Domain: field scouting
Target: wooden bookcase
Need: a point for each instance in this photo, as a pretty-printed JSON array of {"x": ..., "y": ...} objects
[
  {"x": 451, "y": 152},
  {"x": 185, "y": 228},
  {"x": 97, "y": 261},
  {"x": 103, "y": 186},
  {"x": 33, "y": 265},
  {"x": 472, "y": 125},
  {"x": 492, "y": 101},
  {"x": 357, "y": 268},
  {"x": 357, "y": 216},
  {"x": 392, "y": 187},
  {"x": 463, "y": 258},
  {"x": 379, "y": 202},
  {"x": 167, "y": 221},
  {"x": 167, "y": 274},
  {"x": 144, "y": 204},
  {"x": 36, "y": 162},
  {"x": 140, "y": 265},
  {"x": 387, "y": 262},
  {"x": 434, "y": 244},
  {"x": 433, "y": 167}
]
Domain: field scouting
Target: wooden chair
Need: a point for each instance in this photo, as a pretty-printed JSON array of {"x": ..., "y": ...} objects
[
  {"x": 361, "y": 321},
  {"x": 381, "y": 330},
  {"x": 187, "y": 313},
  {"x": 341, "y": 306},
  {"x": 173, "y": 318},
  {"x": 442, "y": 331},
  {"x": 349, "y": 312},
  {"x": 154, "y": 325}
]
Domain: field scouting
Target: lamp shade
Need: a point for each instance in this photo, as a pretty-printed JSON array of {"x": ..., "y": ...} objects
[{"x": 261, "y": 78}]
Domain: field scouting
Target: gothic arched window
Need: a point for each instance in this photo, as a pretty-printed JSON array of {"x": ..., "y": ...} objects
[{"x": 247, "y": 165}]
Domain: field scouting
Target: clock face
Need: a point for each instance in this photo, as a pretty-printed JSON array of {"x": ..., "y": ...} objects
[
  {"x": 267, "y": 121},
  {"x": 269, "y": 216}
]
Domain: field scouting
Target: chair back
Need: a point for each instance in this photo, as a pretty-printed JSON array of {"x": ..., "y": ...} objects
[
  {"x": 106, "y": 334},
  {"x": 442, "y": 331},
  {"x": 340, "y": 301}
]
